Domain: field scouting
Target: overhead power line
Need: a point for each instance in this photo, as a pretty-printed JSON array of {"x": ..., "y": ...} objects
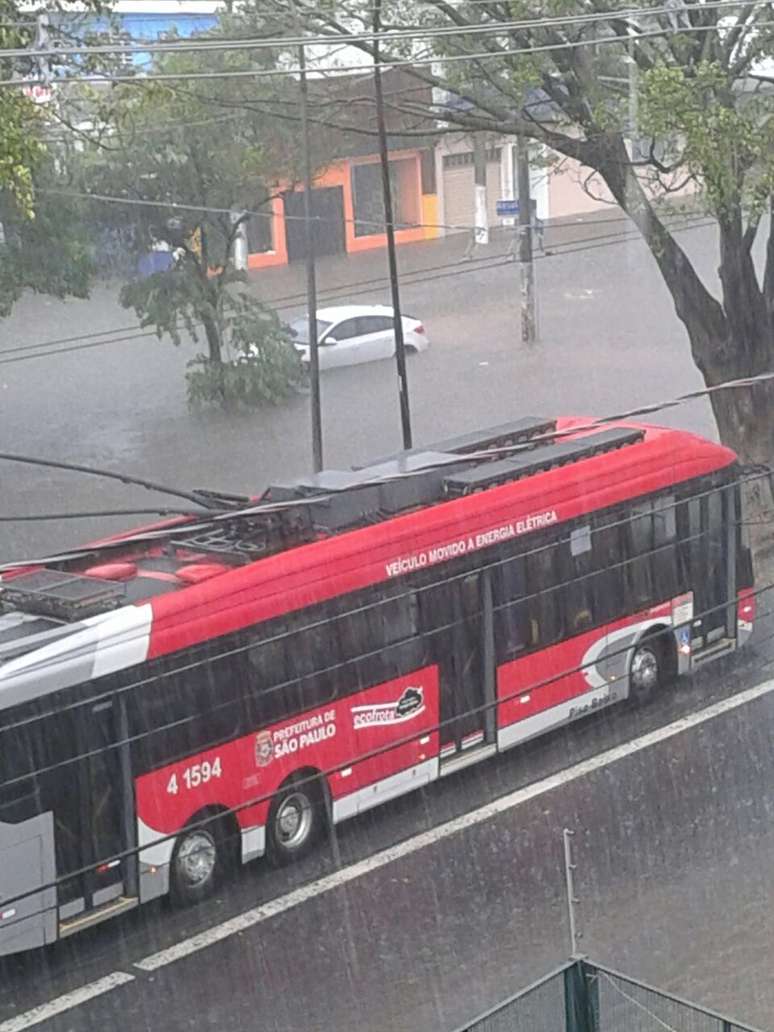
[
  {"x": 263, "y": 507},
  {"x": 427, "y": 274},
  {"x": 218, "y": 43},
  {"x": 209, "y": 820},
  {"x": 413, "y": 62}
]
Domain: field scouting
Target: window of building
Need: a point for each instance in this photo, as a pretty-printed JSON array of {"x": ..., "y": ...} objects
[{"x": 368, "y": 200}]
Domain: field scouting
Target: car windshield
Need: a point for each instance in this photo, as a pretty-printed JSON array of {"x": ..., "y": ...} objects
[{"x": 299, "y": 329}]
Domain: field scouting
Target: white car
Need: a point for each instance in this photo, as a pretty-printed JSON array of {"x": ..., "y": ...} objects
[{"x": 351, "y": 334}]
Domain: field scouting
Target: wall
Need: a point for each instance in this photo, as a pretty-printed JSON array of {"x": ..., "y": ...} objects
[{"x": 416, "y": 207}]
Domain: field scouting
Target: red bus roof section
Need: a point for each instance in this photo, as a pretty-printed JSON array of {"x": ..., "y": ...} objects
[{"x": 427, "y": 537}]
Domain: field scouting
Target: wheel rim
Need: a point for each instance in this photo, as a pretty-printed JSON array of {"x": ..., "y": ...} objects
[
  {"x": 196, "y": 858},
  {"x": 293, "y": 821},
  {"x": 644, "y": 673}
]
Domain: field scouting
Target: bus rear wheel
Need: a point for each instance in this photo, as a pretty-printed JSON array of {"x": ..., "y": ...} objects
[
  {"x": 296, "y": 820},
  {"x": 196, "y": 864}
]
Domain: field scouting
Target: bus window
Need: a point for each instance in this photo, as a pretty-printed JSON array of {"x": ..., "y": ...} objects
[
  {"x": 640, "y": 549},
  {"x": 666, "y": 560},
  {"x": 579, "y": 611},
  {"x": 511, "y": 620},
  {"x": 19, "y": 798},
  {"x": 545, "y": 605},
  {"x": 608, "y": 588},
  {"x": 382, "y": 635}
]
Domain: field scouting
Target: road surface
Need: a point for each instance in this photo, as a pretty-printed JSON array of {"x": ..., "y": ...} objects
[{"x": 675, "y": 852}]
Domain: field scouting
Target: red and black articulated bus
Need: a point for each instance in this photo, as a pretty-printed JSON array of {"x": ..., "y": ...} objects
[{"x": 215, "y": 689}]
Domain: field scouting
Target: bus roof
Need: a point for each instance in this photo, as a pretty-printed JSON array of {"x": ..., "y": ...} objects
[{"x": 144, "y": 595}]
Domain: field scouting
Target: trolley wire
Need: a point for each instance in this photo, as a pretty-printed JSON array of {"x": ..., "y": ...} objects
[
  {"x": 217, "y": 819},
  {"x": 412, "y": 592},
  {"x": 218, "y": 43},
  {"x": 199, "y": 499},
  {"x": 9, "y": 356},
  {"x": 415, "y": 62},
  {"x": 264, "y": 507}
]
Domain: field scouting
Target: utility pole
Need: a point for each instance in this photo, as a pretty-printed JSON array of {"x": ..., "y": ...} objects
[
  {"x": 43, "y": 42},
  {"x": 480, "y": 218},
  {"x": 526, "y": 257},
  {"x": 400, "y": 347},
  {"x": 311, "y": 277}
]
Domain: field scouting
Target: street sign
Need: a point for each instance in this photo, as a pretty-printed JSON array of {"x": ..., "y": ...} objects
[{"x": 507, "y": 208}]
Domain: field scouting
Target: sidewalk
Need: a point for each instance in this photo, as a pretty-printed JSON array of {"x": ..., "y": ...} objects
[{"x": 285, "y": 286}]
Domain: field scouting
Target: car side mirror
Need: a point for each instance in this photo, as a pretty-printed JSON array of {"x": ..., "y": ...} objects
[{"x": 329, "y": 340}]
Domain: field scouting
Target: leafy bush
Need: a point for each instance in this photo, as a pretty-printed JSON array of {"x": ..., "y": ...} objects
[{"x": 261, "y": 366}]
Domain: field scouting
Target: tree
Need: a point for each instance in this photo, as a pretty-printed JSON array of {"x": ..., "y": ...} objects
[
  {"x": 192, "y": 178},
  {"x": 45, "y": 245},
  {"x": 562, "y": 78},
  {"x": 46, "y": 248}
]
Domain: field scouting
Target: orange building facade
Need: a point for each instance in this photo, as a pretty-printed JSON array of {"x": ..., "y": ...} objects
[{"x": 348, "y": 211}]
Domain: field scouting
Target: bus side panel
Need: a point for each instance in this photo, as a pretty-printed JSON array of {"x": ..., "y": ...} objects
[
  {"x": 254, "y": 766},
  {"x": 27, "y": 863},
  {"x": 394, "y": 726},
  {"x": 564, "y": 681}
]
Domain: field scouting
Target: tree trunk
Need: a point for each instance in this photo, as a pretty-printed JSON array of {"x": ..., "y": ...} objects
[
  {"x": 214, "y": 342},
  {"x": 729, "y": 340}
]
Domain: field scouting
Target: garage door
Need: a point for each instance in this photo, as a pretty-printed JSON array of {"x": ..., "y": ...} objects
[{"x": 458, "y": 194}]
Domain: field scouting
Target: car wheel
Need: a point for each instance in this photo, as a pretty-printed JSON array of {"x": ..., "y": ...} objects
[
  {"x": 196, "y": 864},
  {"x": 296, "y": 821}
]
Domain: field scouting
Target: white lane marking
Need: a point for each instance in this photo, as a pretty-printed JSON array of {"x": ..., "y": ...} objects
[
  {"x": 64, "y": 1003},
  {"x": 387, "y": 856}
]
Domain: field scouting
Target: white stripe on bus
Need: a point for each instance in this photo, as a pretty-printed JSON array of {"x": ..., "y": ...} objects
[
  {"x": 257, "y": 915},
  {"x": 266, "y": 911}
]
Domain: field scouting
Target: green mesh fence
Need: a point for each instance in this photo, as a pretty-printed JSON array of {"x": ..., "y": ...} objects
[{"x": 586, "y": 997}]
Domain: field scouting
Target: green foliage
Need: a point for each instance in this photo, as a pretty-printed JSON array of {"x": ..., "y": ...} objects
[
  {"x": 726, "y": 135},
  {"x": 262, "y": 367},
  {"x": 192, "y": 160},
  {"x": 20, "y": 147},
  {"x": 50, "y": 253},
  {"x": 183, "y": 298},
  {"x": 250, "y": 359},
  {"x": 46, "y": 245}
]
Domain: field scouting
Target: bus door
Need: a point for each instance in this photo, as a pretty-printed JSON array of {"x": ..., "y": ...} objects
[
  {"x": 106, "y": 806},
  {"x": 92, "y": 817},
  {"x": 465, "y": 662},
  {"x": 711, "y": 554}
]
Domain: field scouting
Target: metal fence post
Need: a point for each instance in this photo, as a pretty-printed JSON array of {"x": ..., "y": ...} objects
[{"x": 581, "y": 998}]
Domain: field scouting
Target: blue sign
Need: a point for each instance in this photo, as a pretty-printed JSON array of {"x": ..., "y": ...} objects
[{"x": 506, "y": 209}]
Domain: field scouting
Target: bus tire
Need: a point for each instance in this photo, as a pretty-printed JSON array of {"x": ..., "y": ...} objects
[
  {"x": 648, "y": 670},
  {"x": 200, "y": 857},
  {"x": 297, "y": 818}
]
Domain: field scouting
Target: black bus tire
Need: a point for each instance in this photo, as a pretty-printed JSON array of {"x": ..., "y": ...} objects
[
  {"x": 649, "y": 669},
  {"x": 201, "y": 856},
  {"x": 297, "y": 819}
]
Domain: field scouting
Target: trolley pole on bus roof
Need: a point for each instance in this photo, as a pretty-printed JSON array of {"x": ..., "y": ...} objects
[
  {"x": 526, "y": 255},
  {"x": 400, "y": 348},
  {"x": 311, "y": 277}
]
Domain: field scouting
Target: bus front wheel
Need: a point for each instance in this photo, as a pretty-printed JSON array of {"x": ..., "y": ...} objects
[
  {"x": 296, "y": 820},
  {"x": 646, "y": 673}
]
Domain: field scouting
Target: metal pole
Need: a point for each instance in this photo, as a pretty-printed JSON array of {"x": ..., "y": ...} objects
[
  {"x": 569, "y": 877},
  {"x": 481, "y": 219},
  {"x": 311, "y": 278},
  {"x": 400, "y": 348},
  {"x": 526, "y": 258}
]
